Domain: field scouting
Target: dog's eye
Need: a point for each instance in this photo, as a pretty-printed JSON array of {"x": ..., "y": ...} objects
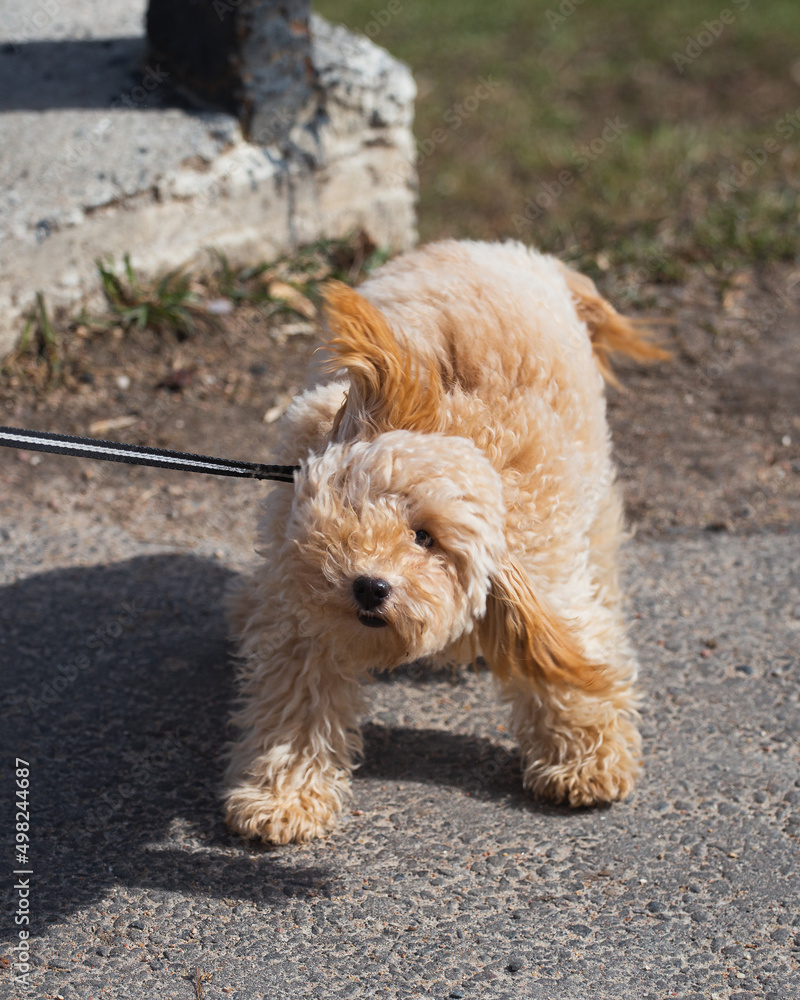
[{"x": 423, "y": 538}]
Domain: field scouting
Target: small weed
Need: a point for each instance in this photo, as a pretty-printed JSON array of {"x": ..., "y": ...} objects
[
  {"x": 242, "y": 285},
  {"x": 168, "y": 304},
  {"x": 348, "y": 259},
  {"x": 39, "y": 347}
]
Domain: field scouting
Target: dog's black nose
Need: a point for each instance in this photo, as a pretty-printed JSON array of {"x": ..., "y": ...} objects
[{"x": 371, "y": 592}]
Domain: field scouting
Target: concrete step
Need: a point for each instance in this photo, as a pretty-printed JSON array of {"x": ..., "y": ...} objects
[{"x": 101, "y": 156}]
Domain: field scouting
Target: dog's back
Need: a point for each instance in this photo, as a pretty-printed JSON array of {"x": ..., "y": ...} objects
[{"x": 488, "y": 310}]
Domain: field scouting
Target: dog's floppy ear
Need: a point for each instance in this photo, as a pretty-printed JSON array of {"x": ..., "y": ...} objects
[
  {"x": 610, "y": 332},
  {"x": 388, "y": 389},
  {"x": 521, "y": 637}
]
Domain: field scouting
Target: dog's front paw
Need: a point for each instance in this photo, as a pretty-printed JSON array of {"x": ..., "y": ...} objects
[
  {"x": 291, "y": 816},
  {"x": 595, "y": 769}
]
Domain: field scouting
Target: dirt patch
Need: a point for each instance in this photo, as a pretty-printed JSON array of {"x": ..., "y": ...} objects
[{"x": 710, "y": 440}]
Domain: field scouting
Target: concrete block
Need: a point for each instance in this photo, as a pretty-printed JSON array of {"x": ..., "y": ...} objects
[{"x": 101, "y": 157}]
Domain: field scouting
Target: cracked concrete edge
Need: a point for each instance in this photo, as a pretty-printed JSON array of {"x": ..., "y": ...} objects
[{"x": 348, "y": 164}]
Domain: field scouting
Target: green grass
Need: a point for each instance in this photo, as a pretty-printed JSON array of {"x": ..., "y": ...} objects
[
  {"x": 686, "y": 122},
  {"x": 40, "y": 344},
  {"x": 165, "y": 304}
]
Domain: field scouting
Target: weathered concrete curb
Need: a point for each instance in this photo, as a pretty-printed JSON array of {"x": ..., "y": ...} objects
[{"x": 102, "y": 160}]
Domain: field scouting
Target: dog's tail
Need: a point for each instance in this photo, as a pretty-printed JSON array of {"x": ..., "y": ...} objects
[{"x": 610, "y": 332}]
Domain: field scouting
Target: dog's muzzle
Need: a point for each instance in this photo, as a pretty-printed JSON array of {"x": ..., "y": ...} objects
[{"x": 370, "y": 593}]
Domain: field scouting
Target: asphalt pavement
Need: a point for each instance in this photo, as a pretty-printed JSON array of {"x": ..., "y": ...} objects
[{"x": 444, "y": 879}]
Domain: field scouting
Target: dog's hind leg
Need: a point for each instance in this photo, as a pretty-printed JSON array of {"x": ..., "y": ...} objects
[
  {"x": 570, "y": 690},
  {"x": 577, "y": 747}
]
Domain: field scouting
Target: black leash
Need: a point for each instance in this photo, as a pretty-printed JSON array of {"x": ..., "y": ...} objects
[{"x": 135, "y": 454}]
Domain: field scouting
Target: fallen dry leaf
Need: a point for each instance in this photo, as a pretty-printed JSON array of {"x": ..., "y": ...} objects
[
  {"x": 112, "y": 424},
  {"x": 293, "y": 298}
]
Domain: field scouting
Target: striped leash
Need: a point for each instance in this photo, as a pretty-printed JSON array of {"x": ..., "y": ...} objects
[{"x": 135, "y": 454}]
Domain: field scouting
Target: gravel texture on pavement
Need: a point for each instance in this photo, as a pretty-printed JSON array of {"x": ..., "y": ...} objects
[{"x": 443, "y": 879}]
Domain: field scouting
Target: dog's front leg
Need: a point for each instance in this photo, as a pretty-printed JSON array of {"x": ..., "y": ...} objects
[{"x": 289, "y": 773}]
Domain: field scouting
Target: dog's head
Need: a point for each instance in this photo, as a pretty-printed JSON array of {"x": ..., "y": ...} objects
[{"x": 396, "y": 541}]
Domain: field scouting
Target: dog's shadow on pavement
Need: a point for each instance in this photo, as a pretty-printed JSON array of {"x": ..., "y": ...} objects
[{"x": 116, "y": 684}]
